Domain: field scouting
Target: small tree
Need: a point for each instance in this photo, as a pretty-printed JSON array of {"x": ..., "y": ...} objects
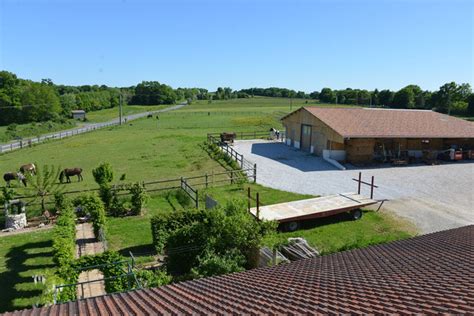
[
  {"x": 103, "y": 175},
  {"x": 139, "y": 197},
  {"x": 44, "y": 183}
]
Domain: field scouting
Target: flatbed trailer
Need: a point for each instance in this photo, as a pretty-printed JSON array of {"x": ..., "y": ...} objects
[{"x": 293, "y": 212}]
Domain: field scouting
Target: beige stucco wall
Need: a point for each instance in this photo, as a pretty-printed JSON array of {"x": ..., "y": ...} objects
[{"x": 320, "y": 134}]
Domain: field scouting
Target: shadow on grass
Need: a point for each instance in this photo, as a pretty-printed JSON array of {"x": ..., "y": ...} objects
[
  {"x": 16, "y": 265},
  {"x": 318, "y": 222},
  {"x": 138, "y": 251}
]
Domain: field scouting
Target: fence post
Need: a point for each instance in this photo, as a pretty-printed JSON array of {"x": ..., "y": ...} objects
[
  {"x": 372, "y": 188},
  {"x": 255, "y": 173},
  {"x": 206, "y": 181},
  {"x": 360, "y": 181},
  {"x": 241, "y": 161},
  {"x": 232, "y": 177},
  {"x": 197, "y": 199},
  {"x": 258, "y": 206},
  {"x": 212, "y": 179},
  {"x": 248, "y": 198}
]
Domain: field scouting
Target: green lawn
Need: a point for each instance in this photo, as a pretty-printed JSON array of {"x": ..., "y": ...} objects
[
  {"x": 340, "y": 232},
  {"x": 21, "y": 257}
]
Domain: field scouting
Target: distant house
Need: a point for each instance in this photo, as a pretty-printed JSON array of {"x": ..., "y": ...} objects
[
  {"x": 430, "y": 274},
  {"x": 78, "y": 114},
  {"x": 361, "y": 135}
]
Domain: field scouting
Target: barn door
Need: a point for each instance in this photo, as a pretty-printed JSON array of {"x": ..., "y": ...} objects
[{"x": 306, "y": 137}]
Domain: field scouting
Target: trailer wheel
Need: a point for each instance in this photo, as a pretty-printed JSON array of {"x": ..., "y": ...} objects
[
  {"x": 356, "y": 214},
  {"x": 292, "y": 226}
]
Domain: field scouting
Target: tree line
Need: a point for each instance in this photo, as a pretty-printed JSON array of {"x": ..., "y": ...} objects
[{"x": 24, "y": 101}]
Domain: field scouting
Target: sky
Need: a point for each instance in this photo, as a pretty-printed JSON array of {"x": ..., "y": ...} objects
[{"x": 297, "y": 44}]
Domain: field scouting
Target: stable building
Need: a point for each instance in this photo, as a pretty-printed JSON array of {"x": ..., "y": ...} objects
[
  {"x": 364, "y": 135},
  {"x": 78, "y": 114}
]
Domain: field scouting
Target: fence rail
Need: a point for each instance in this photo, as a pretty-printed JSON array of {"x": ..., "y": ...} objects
[{"x": 188, "y": 184}]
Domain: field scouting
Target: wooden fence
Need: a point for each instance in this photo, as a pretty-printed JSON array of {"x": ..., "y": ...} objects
[{"x": 190, "y": 185}]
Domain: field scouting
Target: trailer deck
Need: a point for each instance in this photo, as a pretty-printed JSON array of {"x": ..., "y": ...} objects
[{"x": 312, "y": 208}]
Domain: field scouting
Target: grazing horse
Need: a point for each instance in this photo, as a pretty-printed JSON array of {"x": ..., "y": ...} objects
[
  {"x": 69, "y": 172},
  {"x": 9, "y": 176},
  {"x": 31, "y": 168}
]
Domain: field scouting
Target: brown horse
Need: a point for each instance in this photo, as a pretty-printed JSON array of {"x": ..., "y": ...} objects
[
  {"x": 69, "y": 172},
  {"x": 31, "y": 168},
  {"x": 9, "y": 176}
]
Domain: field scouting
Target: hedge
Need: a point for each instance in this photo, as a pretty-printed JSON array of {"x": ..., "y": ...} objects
[
  {"x": 93, "y": 206},
  {"x": 163, "y": 225}
]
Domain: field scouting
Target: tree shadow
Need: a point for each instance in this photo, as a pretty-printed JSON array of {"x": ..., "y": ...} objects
[
  {"x": 138, "y": 251},
  {"x": 16, "y": 265}
]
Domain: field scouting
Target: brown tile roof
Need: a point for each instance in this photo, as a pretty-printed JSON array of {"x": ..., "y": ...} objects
[
  {"x": 428, "y": 274},
  {"x": 389, "y": 123}
]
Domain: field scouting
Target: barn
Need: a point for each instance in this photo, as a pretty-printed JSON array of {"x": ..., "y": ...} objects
[
  {"x": 365, "y": 135},
  {"x": 78, "y": 114}
]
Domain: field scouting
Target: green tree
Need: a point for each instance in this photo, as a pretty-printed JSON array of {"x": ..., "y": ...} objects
[
  {"x": 470, "y": 107},
  {"x": 404, "y": 99},
  {"x": 44, "y": 183},
  {"x": 327, "y": 95}
]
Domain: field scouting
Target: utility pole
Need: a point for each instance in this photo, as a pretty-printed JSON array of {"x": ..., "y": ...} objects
[{"x": 120, "y": 109}]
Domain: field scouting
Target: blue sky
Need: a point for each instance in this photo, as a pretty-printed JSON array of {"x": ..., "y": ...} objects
[{"x": 303, "y": 45}]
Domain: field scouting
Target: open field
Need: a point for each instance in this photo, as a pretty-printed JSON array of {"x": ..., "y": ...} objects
[
  {"x": 35, "y": 129},
  {"x": 21, "y": 257},
  {"x": 112, "y": 113}
]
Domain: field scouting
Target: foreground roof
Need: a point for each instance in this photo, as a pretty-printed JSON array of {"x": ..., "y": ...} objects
[
  {"x": 431, "y": 274},
  {"x": 392, "y": 123}
]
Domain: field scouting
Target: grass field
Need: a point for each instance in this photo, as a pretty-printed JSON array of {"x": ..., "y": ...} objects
[
  {"x": 112, "y": 113},
  {"x": 21, "y": 257}
]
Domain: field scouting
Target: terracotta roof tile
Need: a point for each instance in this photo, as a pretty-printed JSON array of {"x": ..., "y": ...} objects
[
  {"x": 428, "y": 274},
  {"x": 390, "y": 123}
]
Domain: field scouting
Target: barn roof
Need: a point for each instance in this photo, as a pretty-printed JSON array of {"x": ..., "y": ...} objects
[
  {"x": 433, "y": 273},
  {"x": 391, "y": 123}
]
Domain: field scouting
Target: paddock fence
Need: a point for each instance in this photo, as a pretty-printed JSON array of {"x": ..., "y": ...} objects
[{"x": 190, "y": 185}]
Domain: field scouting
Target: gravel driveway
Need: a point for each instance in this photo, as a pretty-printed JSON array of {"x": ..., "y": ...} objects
[{"x": 432, "y": 197}]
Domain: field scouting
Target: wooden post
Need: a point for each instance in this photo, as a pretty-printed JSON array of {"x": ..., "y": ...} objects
[
  {"x": 360, "y": 181},
  {"x": 248, "y": 198},
  {"x": 372, "y": 188},
  {"x": 212, "y": 177},
  {"x": 232, "y": 177},
  {"x": 255, "y": 173},
  {"x": 197, "y": 199},
  {"x": 258, "y": 206},
  {"x": 241, "y": 161},
  {"x": 207, "y": 184}
]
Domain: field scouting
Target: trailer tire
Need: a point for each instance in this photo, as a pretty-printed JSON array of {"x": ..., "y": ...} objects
[
  {"x": 356, "y": 214},
  {"x": 292, "y": 226}
]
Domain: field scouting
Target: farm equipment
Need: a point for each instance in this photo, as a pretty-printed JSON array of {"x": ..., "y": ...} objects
[
  {"x": 228, "y": 137},
  {"x": 290, "y": 214}
]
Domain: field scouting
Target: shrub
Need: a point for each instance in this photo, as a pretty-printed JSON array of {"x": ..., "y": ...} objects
[
  {"x": 106, "y": 195},
  {"x": 92, "y": 205},
  {"x": 103, "y": 174},
  {"x": 138, "y": 198},
  {"x": 153, "y": 278},
  {"x": 163, "y": 224},
  {"x": 183, "y": 198},
  {"x": 117, "y": 206},
  {"x": 203, "y": 243},
  {"x": 211, "y": 264}
]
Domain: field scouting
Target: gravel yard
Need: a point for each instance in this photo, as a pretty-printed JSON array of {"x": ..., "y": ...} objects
[{"x": 432, "y": 197}]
